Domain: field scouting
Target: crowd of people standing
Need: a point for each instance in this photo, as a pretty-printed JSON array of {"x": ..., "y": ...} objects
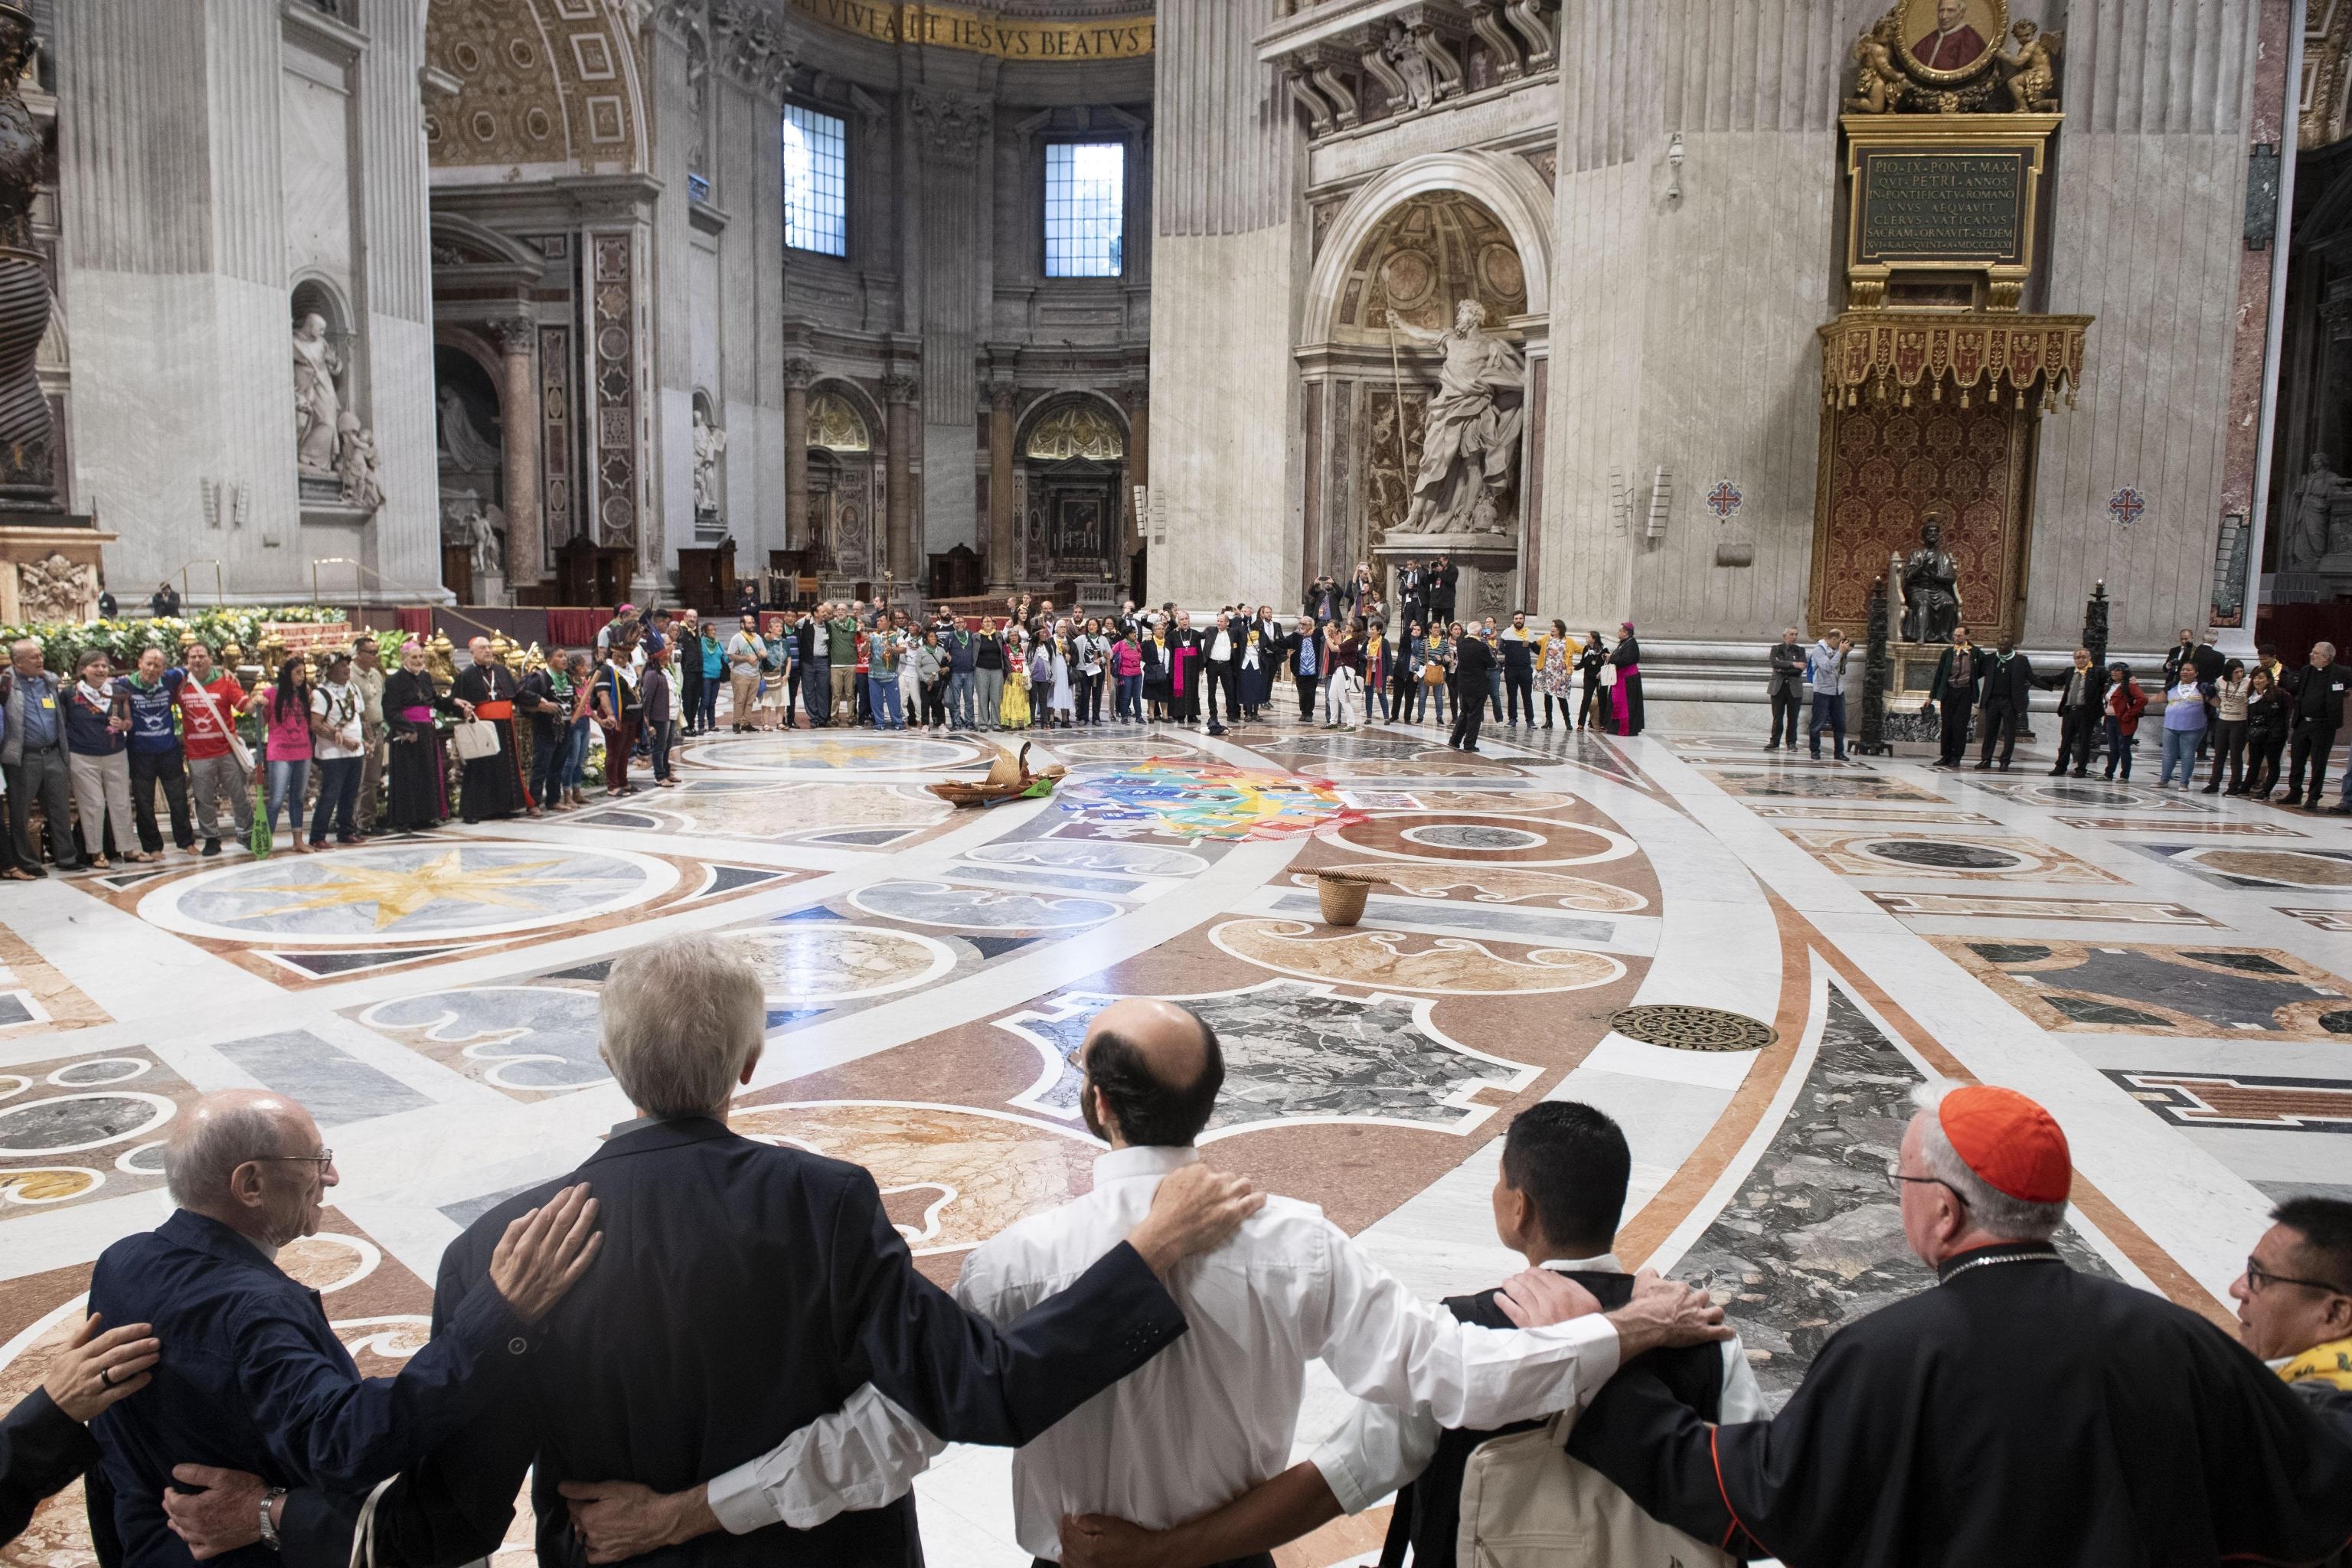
[
  {"x": 2242, "y": 718},
  {"x": 1033, "y": 667},
  {"x": 341, "y": 744}
]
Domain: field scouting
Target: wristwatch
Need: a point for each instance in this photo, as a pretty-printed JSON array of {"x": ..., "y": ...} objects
[{"x": 268, "y": 1525}]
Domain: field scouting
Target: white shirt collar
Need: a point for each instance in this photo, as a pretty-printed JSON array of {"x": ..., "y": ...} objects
[
  {"x": 1149, "y": 1160},
  {"x": 1606, "y": 1263}
]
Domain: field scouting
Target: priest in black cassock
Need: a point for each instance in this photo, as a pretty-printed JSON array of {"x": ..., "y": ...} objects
[
  {"x": 1187, "y": 653},
  {"x": 417, "y": 777},
  {"x": 2016, "y": 1412},
  {"x": 1625, "y": 716},
  {"x": 494, "y": 785}
]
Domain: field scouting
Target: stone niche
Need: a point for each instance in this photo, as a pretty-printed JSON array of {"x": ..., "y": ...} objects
[{"x": 1370, "y": 390}]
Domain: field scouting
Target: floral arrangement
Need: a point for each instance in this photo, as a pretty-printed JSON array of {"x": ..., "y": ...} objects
[{"x": 62, "y": 642}]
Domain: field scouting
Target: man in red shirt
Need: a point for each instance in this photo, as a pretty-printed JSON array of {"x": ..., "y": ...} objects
[{"x": 210, "y": 700}]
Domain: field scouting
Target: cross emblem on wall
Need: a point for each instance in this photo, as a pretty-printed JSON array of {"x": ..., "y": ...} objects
[
  {"x": 1723, "y": 501},
  {"x": 2125, "y": 506}
]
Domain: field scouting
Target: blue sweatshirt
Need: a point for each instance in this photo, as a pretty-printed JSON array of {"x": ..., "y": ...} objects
[{"x": 152, "y": 729}]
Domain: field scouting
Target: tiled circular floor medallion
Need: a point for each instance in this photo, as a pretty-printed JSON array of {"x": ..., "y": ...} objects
[
  {"x": 404, "y": 892},
  {"x": 1489, "y": 840}
]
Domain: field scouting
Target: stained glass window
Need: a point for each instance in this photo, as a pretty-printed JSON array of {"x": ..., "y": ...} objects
[
  {"x": 1085, "y": 209},
  {"x": 816, "y": 203}
]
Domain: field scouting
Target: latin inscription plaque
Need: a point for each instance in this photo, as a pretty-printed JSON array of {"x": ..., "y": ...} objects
[{"x": 1929, "y": 206}]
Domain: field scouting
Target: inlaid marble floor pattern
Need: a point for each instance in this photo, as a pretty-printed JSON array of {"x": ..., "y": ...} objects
[{"x": 2168, "y": 971}]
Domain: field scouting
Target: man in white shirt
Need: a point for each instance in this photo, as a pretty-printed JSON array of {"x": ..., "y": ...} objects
[
  {"x": 1220, "y": 675},
  {"x": 1558, "y": 1200},
  {"x": 1215, "y": 1413},
  {"x": 337, "y": 741}
]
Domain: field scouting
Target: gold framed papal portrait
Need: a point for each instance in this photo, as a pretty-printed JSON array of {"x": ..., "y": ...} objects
[{"x": 1949, "y": 41}]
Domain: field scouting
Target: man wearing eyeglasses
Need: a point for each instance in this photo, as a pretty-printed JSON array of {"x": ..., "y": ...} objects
[
  {"x": 255, "y": 1379},
  {"x": 2017, "y": 1411},
  {"x": 2294, "y": 1302}
]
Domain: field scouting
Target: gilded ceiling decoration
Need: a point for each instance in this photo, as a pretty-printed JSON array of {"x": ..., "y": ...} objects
[
  {"x": 541, "y": 81},
  {"x": 1428, "y": 255},
  {"x": 833, "y": 425},
  {"x": 1077, "y": 430}
]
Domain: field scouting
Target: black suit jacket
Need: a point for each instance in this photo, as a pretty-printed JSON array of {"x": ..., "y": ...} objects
[
  {"x": 1442, "y": 581},
  {"x": 1962, "y": 692},
  {"x": 1472, "y": 661},
  {"x": 743, "y": 1291},
  {"x": 2007, "y": 682},
  {"x": 2315, "y": 696},
  {"x": 42, "y": 1449}
]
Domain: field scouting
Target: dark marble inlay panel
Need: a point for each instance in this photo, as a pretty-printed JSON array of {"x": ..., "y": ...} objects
[
  {"x": 2187, "y": 989},
  {"x": 1292, "y": 1050},
  {"x": 1813, "y": 1238}
]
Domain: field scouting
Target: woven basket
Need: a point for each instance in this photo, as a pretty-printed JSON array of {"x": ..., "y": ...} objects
[{"x": 1343, "y": 894}]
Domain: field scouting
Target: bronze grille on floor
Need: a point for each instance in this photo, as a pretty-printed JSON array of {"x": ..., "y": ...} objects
[{"x": 1685, "y": 1028}]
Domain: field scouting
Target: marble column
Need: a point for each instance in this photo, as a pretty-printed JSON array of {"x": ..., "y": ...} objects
[
  {"x": 999, "y": 486},
  {"x": 517, "y": 340},
  {"x": 1139, "y": 472},
  {"x": 905, "y": 561},
  {"x": 2159, "y": 118},
  {"x": 1227, "y": 164},
  {"x": 798, "y": 373}
]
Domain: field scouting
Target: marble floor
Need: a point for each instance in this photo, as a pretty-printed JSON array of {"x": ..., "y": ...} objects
[{"x": 2166, "y": 971}]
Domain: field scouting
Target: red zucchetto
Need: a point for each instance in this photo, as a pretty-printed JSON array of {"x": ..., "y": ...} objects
[{"x": 2009, "y": 1141}]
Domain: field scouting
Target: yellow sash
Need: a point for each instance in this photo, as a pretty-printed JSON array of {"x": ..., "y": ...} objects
[{"x": 2330, "y": 1362}]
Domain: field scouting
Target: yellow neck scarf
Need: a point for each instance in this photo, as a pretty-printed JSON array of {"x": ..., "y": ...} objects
[{"x": 2330, "y": 1362}]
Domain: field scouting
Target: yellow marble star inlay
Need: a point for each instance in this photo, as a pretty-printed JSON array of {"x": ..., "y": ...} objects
[{"x": 398, "y": 894}]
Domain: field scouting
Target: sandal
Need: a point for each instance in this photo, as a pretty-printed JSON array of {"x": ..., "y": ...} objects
[
  {"x": 17, "y": 874},
  {"x": 101, "y": 863}
]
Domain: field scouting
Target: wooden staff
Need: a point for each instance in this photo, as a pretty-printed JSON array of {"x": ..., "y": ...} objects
[{"x": 1405, "y": 465}]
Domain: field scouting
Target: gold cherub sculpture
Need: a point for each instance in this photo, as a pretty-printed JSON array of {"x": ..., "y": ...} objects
[
  {"x": 1878, "y": 84},
  {"x": 2032, "y": 69}
]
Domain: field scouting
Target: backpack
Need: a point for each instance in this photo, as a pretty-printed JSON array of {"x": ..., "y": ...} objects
[
  {"x": 1525, "y": 1502},
  {"x": 1513, "y": 1497}
]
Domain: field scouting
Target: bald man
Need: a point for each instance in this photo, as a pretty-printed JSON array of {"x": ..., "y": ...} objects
[
  {"x": 256, "y": 1380},
  {"x": 1213, "y": 1415}
]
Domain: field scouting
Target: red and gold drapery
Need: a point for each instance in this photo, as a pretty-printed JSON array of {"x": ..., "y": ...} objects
[{"x": 1889, "y": 354}]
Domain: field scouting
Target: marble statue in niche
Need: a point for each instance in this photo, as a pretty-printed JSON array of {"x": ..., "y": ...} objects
[
  {"x": 1470, "y": 441},
  {"x": 709, "y": 446},
  {"x": 2306, "y": 541},
  {"x": 362, "y": 486},
  {"x": 467, "y": 448},
  {"x": 318, "y": 405},
  {"x": 1931, "y": 589},
  {"x": 469, "y": 522},
  {"x": 482, "y": 539}
]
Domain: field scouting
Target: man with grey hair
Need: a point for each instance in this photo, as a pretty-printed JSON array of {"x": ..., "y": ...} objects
[
  {"x": 746, "y": 1289},
  {"x": 255, "y": 1379},
  {"x": 33, "y": 757},
  {"x": 2314, "y": 713},
  {"x": 2019, "y": 1412}
]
